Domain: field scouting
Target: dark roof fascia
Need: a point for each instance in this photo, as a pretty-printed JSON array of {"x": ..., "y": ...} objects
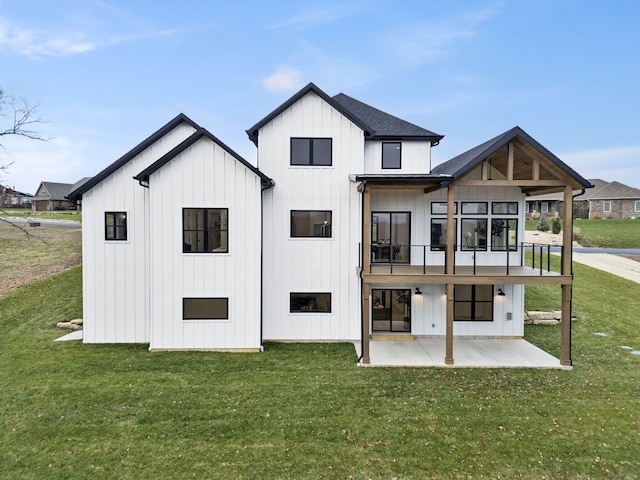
[
  {"x": 179, "y": 119},
  {"x": 311, "y": 87},
  {"x": 402, "y": 178},
  {"x": 467, "y": 161},
  {"x": 144, "y": 175}
]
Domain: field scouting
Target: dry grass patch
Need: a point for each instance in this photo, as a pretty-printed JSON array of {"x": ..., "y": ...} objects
[{"x": 39, "y": 253}]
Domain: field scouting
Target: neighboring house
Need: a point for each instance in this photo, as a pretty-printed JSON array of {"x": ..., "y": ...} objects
[
  {"x": 604, "y": 200},
  {"x": 11, "y": 198},
  {"x": 614, "y": 200},
  {"x": 52, "y": 196},
  {"x": 343, "y": 231}
]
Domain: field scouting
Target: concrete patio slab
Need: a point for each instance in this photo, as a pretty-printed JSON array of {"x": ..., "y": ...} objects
[
  {"x": 467, "y": 353},
  {"x": 75, "y": 335}
]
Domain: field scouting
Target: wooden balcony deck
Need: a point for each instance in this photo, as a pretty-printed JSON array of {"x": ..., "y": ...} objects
[{"x": 464, "y": 274}]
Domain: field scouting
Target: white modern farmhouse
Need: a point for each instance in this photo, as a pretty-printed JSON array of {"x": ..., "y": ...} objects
[{"x": 343, "y": 232}]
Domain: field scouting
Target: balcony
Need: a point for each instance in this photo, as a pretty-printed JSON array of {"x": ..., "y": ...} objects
[{"x": 524, "y": 263}]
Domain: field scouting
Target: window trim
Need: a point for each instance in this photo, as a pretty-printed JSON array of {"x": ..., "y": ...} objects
[
  {"x": 375, "y": 220},
  {"x": 436, "y": 211},
  {"x": 606, "y": 206},
  {"x": 399, "y": 144},
  {"x": 330, "y": 224},
  {"x": 311, "y": 159},
  {"x": 486, "y": 235},
  {"x": 310, "y": 311},
  {"x": 507, "y": 205},
  {"x": 473, "y": 303},
  {"x": 442, "y": 246},
  {"x": 479, "y": 204},
  {"x": 196, "y": 319},
  {"x": 115, "y": 226},
  {"x": 506, "y": 231},
  {"x": 544, "y": 207},
  {"x": 636, "y": 206},
  {"x": 206, "y": 231}
]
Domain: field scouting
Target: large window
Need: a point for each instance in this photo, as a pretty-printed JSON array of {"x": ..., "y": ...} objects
[
  {"x": 311, "y": 151},
  {"x": 504, "y": 234},
  {"x": 115, "y": 226},
  {"x": 391, "y": 154},
  {"x": 310, "y": 223},
  {"x": 439, "y": 233},
  {"x": 390, "y": 236},
  {"x": 473, "y": 303},
  {"x": 474, "y": 233},
  {"x": 205, "y": 230},
  {"x": 310, "y": 302},
  {"x": 205, "y": 308}
]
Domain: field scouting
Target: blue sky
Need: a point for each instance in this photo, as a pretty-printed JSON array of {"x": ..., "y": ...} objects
[{"x": 108, "y": 73}]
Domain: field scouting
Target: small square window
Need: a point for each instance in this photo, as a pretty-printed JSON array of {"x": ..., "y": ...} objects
[
  {"x": 205, "y": 308},
  {"x": 310, "y": 302},
  {"x": 391, "y": 155},
  {"x": 205, "y": 230},
  {"x": 115, "y": 226},
  {"x": 311, "y": 151}
]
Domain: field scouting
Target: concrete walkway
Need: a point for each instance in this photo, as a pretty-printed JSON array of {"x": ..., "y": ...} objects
[{"x": 620, "y": 266}]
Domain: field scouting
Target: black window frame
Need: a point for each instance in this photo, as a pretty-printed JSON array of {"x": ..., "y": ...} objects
[
  {"x": 504, "y": 208},
  {"x": 122, "y": 228},
  {"x": 466, "y": 209},
  {"x": 504, "y": 231},
  {"x": 202, "y": 299},
  {"x": 464, "y": 245},
  {"x": 326, "y": 232},
  {"x": 399, "y": 160},
  {"x": 308, "y": 299},
  {"x": 442, "y": 246},
  {"x": 436, "y": 208},
  {"x": 473, "y": 302},
  {"x": 311, "y": 161},
  {"x": 206, "y": 230},
  {"x": 389, "y": 246}
]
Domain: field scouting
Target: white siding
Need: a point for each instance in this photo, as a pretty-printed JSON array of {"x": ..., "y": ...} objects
[
  {"x": 415, "y": 157},
  {"x": 311, "y": 264},
  {"x": 205, "y": 176},
  {"x": 115, "y": 275}
]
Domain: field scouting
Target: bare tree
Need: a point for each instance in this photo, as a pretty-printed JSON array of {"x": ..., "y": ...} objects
[{"x": 17, "y": 117}]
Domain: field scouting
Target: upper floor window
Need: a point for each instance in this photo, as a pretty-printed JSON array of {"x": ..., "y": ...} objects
[
  {"x": 606, "y": 207},
  {"x": 391, "y": 154},
  {"x": 115, "y": 226},
  {"x": 310, "y": 223},
  {"x": 311, "y": 151},
  {"x": 205, "y": 230}
]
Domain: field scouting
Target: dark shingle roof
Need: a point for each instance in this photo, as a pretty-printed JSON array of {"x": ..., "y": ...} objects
[
  {"x": 382, "y": 123},
  {"x": 615, "y": 191},
  {"x": 181, "y": 118},
  {"x": 468, "y": 160},
  {"x": 373, "y": 122},
  {"x": 181, "y": 147},
  {"x": 57, "y": 191}
]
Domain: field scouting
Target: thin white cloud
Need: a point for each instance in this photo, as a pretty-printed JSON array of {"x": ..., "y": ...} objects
[
  {"x": 612, "y": 164},
  {"x": 285, "y": 79},
  {"x": 319, "y": 16},
  {"x": 422, "y": 42},
  {"x": 40, "y": 43}
]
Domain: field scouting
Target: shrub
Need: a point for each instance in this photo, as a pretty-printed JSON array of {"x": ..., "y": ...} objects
[
  {"x": 556, "y": 225},
  {"x": 543, "y": 225}
]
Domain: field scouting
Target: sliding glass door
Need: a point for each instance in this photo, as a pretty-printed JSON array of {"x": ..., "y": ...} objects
[
  {"x": 391, "y": 310},
  {"x": 390, "y": 237}
]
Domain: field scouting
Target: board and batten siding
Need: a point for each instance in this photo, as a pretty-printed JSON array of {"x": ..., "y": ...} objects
[
  {"x": 205, "y": 176},
  {"x": 313, "y": 265},
  {"x": 415, "y": 157},
  {"x": 115, "y": 273}
]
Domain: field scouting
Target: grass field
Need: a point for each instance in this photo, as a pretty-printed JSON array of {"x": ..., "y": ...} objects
[
  {"x": 622, "y": 233},
  {"x": 74, "y": 215},
  {"x": 70, "y": 410}
]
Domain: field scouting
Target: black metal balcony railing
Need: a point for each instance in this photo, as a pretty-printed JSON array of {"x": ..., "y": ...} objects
[{"x": 532, "y": 255}]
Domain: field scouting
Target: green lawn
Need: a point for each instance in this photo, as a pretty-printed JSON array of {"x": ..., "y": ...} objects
[
  {"x": 70, "y": 410},
  {"x": 624, "y": 233}
]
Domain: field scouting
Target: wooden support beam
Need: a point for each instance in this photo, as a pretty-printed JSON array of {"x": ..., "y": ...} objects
[
  {"x": 448, "y": 356},
  {"x": 567, "y": 234},
  {"x": 565, "y": 327},
  {"x": 485, "y": 170},
  {"x": 511, "y": 183},
  {"x": 366, "y": 265},
  {"x": 510, "y": 162},
  {"x": 535, "y": 167}
]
